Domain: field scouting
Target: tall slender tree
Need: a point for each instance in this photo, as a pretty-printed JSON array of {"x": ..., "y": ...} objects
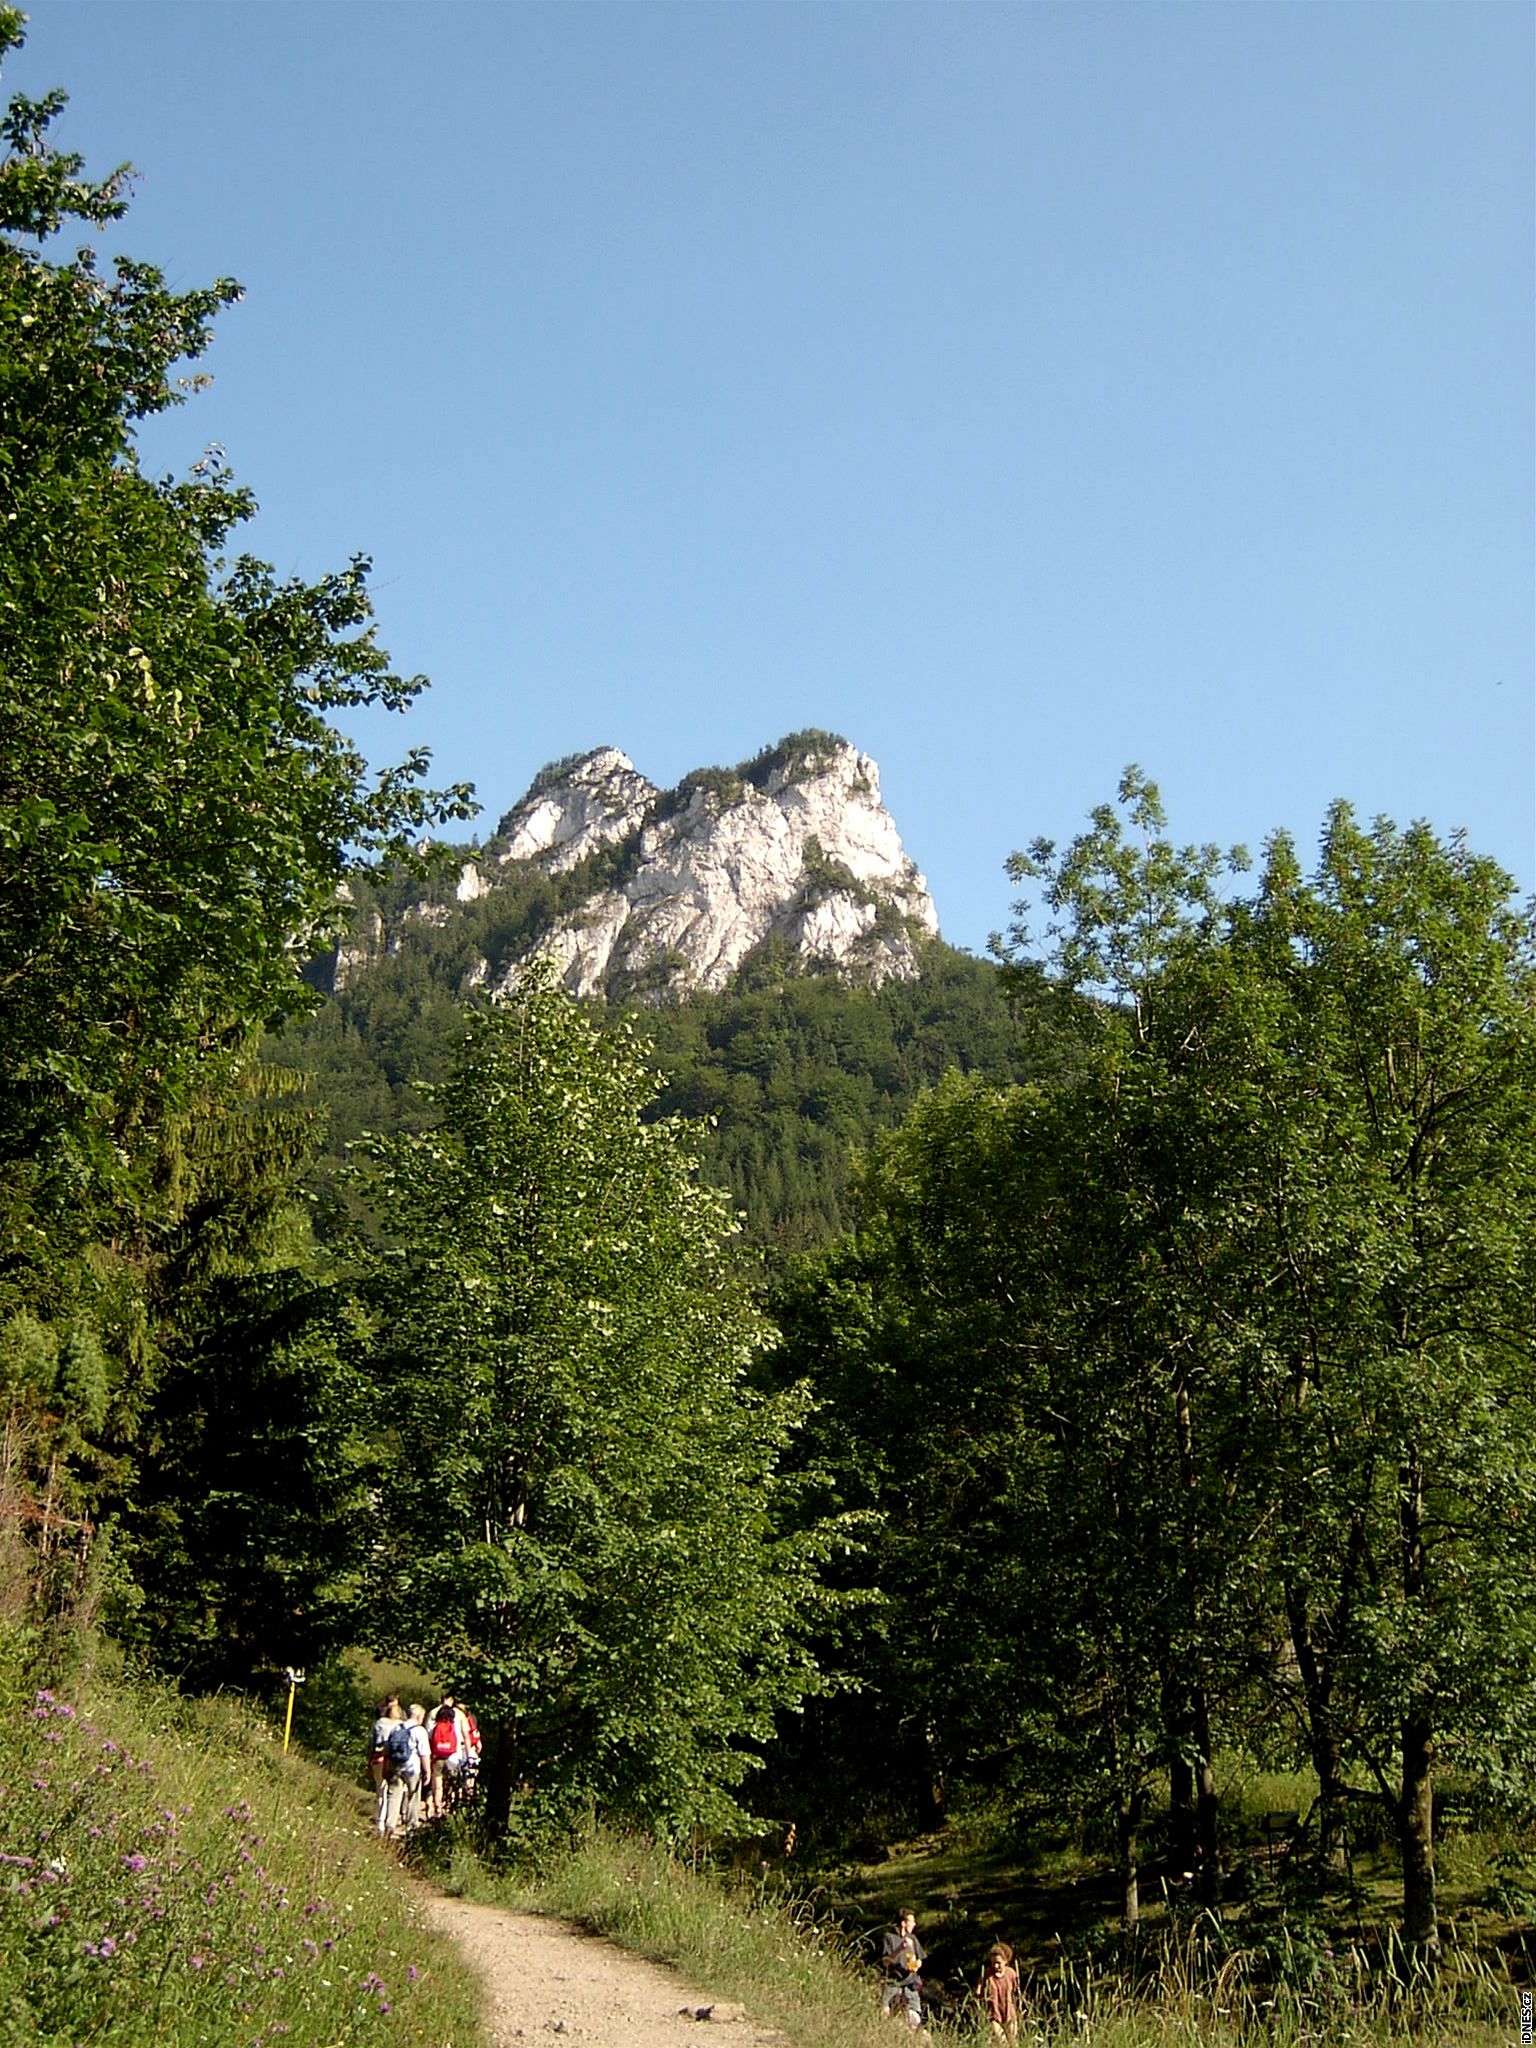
[
  {"x": 177, "y": 812},
  {"x": 583, "y": 1524}
]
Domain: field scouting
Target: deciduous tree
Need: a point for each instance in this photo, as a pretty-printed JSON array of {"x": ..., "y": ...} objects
[{"x": 583, "y": 1522}]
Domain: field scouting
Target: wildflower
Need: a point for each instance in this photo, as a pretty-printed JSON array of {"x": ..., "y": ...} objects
[
  {"x": 412, "y": 1974},
  {"x": 136, "y": 1863}
]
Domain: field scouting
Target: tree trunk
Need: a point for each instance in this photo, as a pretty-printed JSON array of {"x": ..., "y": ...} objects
[
  {"x": 1181, "y": 1780},
  {"x": 936, "y": 1802},
  {"x": 1322, "y": 1741},
  {"x": 1200, "y": 1852},
  {"x": 1416, "y": 1834},
  {"x": 1181, "y": 1816},
  {"x": 1416, "y": 1809},
  {"x": 1128, "y": 1839},
  {"x": 1208, "y": 1862},
  {"x": 497, "y": 1782}
]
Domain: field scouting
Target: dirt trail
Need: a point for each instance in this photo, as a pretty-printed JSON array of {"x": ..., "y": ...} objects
[{"x": 545, "y": 1980}]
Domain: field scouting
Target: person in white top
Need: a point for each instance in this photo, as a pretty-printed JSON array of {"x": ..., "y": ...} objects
[{"x": 418, "y": 1780}]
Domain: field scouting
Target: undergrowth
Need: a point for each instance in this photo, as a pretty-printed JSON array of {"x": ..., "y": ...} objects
[{"x": 790, "y": 1963}]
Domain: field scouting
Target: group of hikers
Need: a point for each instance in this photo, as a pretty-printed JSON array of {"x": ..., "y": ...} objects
[
  {"x": 421, "y": 1765},
  {"x": 997, "y": 1988}
]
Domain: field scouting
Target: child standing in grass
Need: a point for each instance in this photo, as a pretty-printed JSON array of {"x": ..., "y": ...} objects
[{"x": 998, "y": 1990}]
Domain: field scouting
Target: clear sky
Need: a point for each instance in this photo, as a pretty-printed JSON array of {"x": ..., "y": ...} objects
[{"x": 1018, "y": 390}]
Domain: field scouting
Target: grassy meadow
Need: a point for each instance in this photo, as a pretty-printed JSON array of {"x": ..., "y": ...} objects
[
  {"x": 800, "y": 1954},
  {"x": 169, "y": 1877}
]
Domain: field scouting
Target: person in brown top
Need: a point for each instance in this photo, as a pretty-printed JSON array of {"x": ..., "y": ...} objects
[{"x": 998, "y": 1990}]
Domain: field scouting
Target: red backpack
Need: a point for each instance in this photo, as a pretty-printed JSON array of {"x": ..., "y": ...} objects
[{"x": 445, "y": 1737}]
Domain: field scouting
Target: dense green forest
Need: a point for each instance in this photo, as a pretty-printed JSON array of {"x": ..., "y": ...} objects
[
  {"x": 782, "y": 1077},
  {"x": 1142, "y": 1389}
]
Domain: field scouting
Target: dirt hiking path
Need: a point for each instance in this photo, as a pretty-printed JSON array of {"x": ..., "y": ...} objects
[{"x": 544, "y": 1980}]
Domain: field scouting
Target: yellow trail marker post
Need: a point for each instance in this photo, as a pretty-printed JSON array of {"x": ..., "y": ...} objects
[{"x": 295, "y": 1680}]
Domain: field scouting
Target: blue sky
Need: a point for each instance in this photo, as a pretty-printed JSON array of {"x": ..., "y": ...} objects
[{"x": 1019, "y": 390}]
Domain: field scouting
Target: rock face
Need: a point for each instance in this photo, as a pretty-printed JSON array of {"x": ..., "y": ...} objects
[
  {"x": 793, "y": 846},
  {"x": 574, "y": 808}
]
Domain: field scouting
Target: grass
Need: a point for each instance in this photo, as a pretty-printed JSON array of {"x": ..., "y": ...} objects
[
  {"x": 790, "y": 1962},
  {"x": 755, "y": 1946},
  {"x": 169, "y": 1877}
]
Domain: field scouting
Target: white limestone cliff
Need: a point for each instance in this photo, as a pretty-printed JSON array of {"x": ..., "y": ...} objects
[
  {"x": 794, "y": 847},
  {"x": 575, "y": 807},
  {"x": 801, "y": 850}
]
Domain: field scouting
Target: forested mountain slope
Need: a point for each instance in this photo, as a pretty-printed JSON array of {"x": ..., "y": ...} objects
[
  {"x": 760, "y": 925},
  {"x": 785, "y": 1072}
]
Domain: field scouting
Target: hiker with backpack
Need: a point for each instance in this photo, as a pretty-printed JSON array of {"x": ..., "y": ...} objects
[
  {"x": 418, "y": 1777},
  {"x": 389, "y": 1711},
  {"x": 444, "y": 1741},
  {"x": 469, "y": 1773},
  {"x": 398, "y": 1754}
]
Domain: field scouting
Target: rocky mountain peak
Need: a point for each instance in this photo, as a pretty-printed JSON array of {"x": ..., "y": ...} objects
[
  {"x": 660, "y": 892},
  {"x": 575, "y": 806},
  {"x": 794, "y": 844}
]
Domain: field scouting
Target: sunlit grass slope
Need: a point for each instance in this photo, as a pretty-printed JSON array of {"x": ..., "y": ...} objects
[{"x": 168, "y": 1876}]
